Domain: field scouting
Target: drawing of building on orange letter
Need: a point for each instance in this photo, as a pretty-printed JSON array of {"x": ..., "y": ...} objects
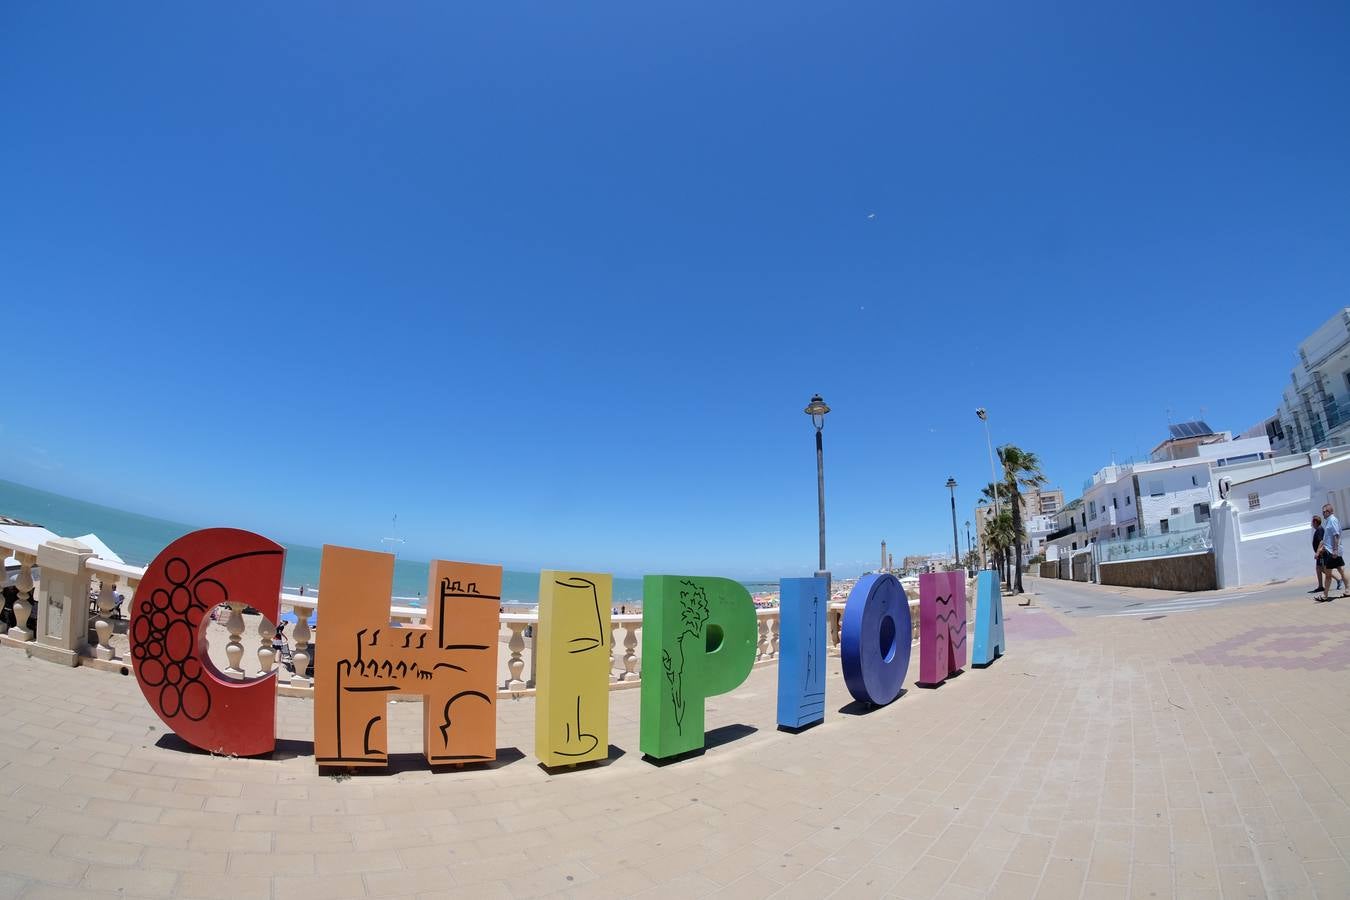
[{"x": 363, "y": 661}]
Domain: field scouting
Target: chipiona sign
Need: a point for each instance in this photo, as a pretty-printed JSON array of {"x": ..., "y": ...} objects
[{"x": 698, "y": 640}]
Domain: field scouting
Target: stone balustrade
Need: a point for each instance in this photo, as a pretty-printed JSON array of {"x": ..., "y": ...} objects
[{"x": 77, "y": 622}]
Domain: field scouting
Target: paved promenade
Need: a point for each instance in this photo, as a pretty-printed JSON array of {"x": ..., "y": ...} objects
[{"x": 1198, "y": 755}]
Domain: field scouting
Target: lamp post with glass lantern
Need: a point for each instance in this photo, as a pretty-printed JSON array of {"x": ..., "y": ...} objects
[
  {"x": 817, "y": 410},
  {"x": 969, "y": 552},
  {"x": 983, "y": 415}
]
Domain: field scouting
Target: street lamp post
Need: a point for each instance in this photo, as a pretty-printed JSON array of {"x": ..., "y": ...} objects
[
  {"x": 817, "y": 409},
  {"x": 969, "y": 552},
  {"x": 956, "y": 541},
  {"x": 993, "y": 470}
]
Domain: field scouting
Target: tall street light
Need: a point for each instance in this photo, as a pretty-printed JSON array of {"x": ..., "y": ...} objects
[
  {"x": 956, "y": 541},
  {"x": 993, "y": 470},
  {"x": 968, "y": 550},
  {"x": 817, "y": 409}
]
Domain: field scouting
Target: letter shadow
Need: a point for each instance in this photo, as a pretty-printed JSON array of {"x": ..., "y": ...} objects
[
  {"x": 614, "y": 753},
  {"x": 863, "y": 707},
  {"x": 932, "y": 687},
  {"x": 997, "y": 657},
  {"x": 798, "y": 729},
  {"x": 416, "y": 762},
  {"x": 711, "y": 739},
  {"x": 170, "y": 741}
]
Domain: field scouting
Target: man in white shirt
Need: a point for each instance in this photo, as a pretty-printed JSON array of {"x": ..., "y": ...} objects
[{"x": 1332, "y": 560}]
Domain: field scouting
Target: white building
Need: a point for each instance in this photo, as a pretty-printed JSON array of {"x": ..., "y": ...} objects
[
  {"x": 1169, "y": 493},
  {"x": 1315, "y": 411},
  {"x": 1038, "y": 527},
  {"x": 1070, "y": 532}
]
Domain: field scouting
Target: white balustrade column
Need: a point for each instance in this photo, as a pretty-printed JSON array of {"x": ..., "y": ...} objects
[
  {"x": 102, "y": 627},
  {"x": 775, "y": 624},
  {"x": 533, "y": 680},
  {"x": 762, "y": 648},
  {"x": 613, "y": 656},
  {"x": 630, "y": 660},
  {"x": 516, "y": 665},
  {"x": 300, "y": 653},
  {"x": 23, "y": 607},
  {"x": 234, "y": 650},
  {"x": 266, "y": 655},
  {"x": 834, "y": 617}
]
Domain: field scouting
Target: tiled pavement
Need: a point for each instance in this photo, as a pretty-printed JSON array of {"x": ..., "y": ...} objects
[{"x": 1203, "y": 755}]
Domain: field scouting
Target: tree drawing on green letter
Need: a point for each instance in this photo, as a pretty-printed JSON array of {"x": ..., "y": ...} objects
[{"x": 693, "y": 616}]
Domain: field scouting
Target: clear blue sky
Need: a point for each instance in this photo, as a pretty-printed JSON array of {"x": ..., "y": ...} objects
[{"x": 553, "y": 282}]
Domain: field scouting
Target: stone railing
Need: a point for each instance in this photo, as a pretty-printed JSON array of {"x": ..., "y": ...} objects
[
  {"x": 625, "y": 669},
  {"x": 76, "y": 600},
  {"x": 80, "y": 600}
]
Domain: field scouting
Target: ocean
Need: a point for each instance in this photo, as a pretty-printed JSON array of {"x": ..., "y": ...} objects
[{"x": 138, "y": 539}]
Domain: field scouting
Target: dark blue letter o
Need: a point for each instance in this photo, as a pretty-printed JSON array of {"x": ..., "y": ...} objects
[{"x": 875, "y": 639}]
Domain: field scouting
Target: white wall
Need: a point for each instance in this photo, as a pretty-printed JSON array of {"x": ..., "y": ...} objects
[
  {"x": 1220, "y": 453},
  {"x": 1273, "y": 541}
]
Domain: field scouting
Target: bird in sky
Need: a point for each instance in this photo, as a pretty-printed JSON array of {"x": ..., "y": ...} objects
[{"x": 871, "y": 215}]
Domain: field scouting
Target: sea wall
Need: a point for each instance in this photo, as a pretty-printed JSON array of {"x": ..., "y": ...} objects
[{"x": 1191, "y": 572}]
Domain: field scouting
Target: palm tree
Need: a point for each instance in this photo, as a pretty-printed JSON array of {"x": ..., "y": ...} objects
[
  {"x": 997, "y": 494},
  {"x": 998, "y": 537},
  {"x": 1021, "y": 468}
]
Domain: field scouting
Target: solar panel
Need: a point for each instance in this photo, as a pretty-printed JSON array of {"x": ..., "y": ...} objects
[{"x": 1197, "y": 428}]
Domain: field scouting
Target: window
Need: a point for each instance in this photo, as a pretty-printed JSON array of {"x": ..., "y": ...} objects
[
  {"x": 1162, "y": 526},
  {"x": 1155, "y": 488},
  {"x": 1194, "y": 483},
  {"x": 1201, "y": 511},
  {"x": 1253, "y": 500},
  {"x": 1175, "y": 511},
  {"x": 1129, "y": 531},
  {"x": 1129, "y": 501},
  {"x": 1115, "y": 504}
]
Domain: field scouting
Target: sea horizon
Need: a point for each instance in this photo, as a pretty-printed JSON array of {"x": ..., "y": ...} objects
[{"x": 138, "y": 538}]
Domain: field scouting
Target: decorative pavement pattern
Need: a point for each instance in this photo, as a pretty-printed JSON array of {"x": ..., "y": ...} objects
[
  {"x": 1116, "y": 760},
  {"x": 1034, "y": 624},
  {"x": 1281, "y": 647}
]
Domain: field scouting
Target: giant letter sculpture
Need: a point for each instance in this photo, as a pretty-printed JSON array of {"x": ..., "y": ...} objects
[
  {"x": 188, "y": 579},
  {"x": 571, "y": 704},
  {"x": 874, "y": 640},
  {"x": 989, "y": 641},
  {"x": 801, "y": 654},
  {"x": 942, "y": 626},
  {"x": 364, "y": 660},
  {"x": 703, "y": 631}
]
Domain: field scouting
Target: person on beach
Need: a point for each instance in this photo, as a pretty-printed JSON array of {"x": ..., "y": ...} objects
[{"x": 1332, "y": 562}]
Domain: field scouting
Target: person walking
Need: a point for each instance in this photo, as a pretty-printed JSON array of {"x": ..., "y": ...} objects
[
  {"x": 1332, "y": 561},
  {"x": 1318, "y": 533}
]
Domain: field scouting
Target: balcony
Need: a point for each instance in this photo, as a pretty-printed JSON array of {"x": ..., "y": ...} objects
[{"x": 1063, "y": 532}]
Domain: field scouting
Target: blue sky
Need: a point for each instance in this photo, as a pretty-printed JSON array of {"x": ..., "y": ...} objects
[{"x": 552, "y": 283}]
